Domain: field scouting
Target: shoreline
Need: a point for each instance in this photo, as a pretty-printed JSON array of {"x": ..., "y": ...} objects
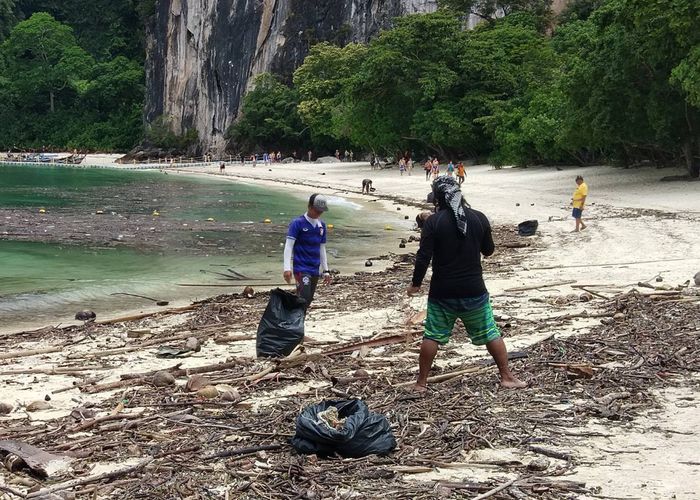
[{"x": 350, "y": 267}]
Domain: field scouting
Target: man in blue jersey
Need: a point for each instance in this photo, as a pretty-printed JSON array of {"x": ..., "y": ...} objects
[{"x": 306, "y": 243}]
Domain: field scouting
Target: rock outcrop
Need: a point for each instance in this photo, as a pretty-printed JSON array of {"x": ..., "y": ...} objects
[{"x": 203, "y": 54}]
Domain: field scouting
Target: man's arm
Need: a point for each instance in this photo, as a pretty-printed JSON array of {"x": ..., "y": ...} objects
[
  {"x": 487, "y": 244},
  {"x": 288, "y": 251},
  {"x": 583, "y": 201},
  {"x": 425, "y": 252}
]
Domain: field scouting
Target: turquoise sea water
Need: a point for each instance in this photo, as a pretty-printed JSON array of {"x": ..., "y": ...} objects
[{"x": 47, "y": 282}]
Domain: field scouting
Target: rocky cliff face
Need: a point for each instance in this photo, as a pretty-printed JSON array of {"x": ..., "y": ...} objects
[{"x": 202, "y": 54}]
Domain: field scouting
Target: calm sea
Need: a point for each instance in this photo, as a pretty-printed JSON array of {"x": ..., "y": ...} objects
[{"x": 43, "y": 283}]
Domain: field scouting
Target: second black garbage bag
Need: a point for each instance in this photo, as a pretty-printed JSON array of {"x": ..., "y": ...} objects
[
  {"x": 345, "y": 427},
  {"x": 281, "y": 327}
]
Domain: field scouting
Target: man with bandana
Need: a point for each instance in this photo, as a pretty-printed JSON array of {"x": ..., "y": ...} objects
[{"x": 454, "y": 238}]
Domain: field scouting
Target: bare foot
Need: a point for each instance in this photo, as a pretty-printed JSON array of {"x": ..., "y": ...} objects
[
  {"x": 513, "y": 383},
  {"x": 583, "y": 226},
  {"x": 420, "y": 388}
]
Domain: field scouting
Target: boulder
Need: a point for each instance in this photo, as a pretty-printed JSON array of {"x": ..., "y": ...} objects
[{"x": 327, "y": 159}]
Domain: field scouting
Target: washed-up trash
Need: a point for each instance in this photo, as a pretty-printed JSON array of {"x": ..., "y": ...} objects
[
  {"x": 527, "y": 228},
  {"x": 345, "y": 427},
  {"x": 169, "y": 351},
  {"x": 192, "y": 344},
  {"x": 197, "y": 382},
  {"x": 17, "y": 455},
  {"x": 85, "y": 315},
  {"x": 163, "y": 378},
  {"x": 281, "y": 327},
  {"x": 38, "y": 406},
  {"x": 208, "y": 392}
]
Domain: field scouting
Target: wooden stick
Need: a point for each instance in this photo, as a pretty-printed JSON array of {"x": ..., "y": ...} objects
[
  {"x": 51, "y": 371},
  {"x": 91, "y": 479},
  {"x": 122, "y": 350},
  {"x": 444, "y": 376},
  {"x": 29, "y": 352},
  {"x": 535, "y": 287},
  {"x": 106, "y": 418},
  {"x": 135, "y": 317},
  {"x": 243, "y": 451},
  {"x": 492, "y": 492},
  {"x": 9, "y": 490}
]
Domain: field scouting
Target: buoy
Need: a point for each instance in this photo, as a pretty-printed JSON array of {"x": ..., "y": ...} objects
[
  {"x": 405, "y": 217},
  {"x": 267, "y": 221},
  {"x": 388, "y": 228},
  {"x": 211, "y": 219},
  {"x": 99, "y": 212},
  {"x": 42, "y": 211},
  {"x": 330, "y": 226},
  {"x": 368, "y": 263},
  {"x": 156, "y": 213}
]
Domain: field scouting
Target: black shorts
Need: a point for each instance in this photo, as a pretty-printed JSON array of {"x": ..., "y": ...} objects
[{"x": 306, "y": 286}]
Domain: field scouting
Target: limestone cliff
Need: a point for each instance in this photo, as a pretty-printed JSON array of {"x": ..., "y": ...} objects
[{"x": 202, "y": 54}]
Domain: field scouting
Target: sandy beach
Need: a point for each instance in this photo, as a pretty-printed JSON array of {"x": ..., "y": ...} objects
[{"x": 557, "y": 286}]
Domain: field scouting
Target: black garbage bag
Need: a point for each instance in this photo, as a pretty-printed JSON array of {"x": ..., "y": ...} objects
[
  {"x": 362, "y": 434},
  {"x": 281, "y": 327},
  {"x": 527, "y": 228}
]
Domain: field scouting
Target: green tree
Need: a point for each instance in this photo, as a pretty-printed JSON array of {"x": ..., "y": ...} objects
[
  {"x": 7, "y": 17},
  {"x": 322, "y": 83},
  {"x": 44, "y": 59},
  {"x": 105, "y": 28},
  {"x": 622, "y": 76},
  {"x": 403, "y": 94},
  {"x": 269, "y": 117}
]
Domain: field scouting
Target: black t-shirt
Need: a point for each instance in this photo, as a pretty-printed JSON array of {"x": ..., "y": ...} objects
[{"x": 456, "y": 260}]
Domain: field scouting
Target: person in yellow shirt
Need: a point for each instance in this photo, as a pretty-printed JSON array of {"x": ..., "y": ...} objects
[{"x": 579, "y": 201}]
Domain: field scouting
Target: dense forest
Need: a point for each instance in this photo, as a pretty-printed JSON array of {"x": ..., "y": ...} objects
[
  {"x": 603, "y": 81},
  {"x": 71, "y": 74}
]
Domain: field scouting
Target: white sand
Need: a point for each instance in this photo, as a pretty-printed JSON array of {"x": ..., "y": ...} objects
[{"x": 616, "y": 251}]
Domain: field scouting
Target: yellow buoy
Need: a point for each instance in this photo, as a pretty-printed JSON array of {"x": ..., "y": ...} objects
[
  {"x": 388, "y": 228},
  {"x": 156, "y": 213},
  {"x": 330, "y": 226},
  {"x": 211, "y": 219},
  {"x": 42, "y": 211},
  {"x": 99, "y": 212},
  {"x": 267, "y": 221}
]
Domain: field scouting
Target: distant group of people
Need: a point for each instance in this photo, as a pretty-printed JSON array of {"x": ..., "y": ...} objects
[
  {"x": 347, "y": 156},
  {"x": 432, "y": 170}
]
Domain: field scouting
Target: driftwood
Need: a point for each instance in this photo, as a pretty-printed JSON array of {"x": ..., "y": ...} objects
[
  {"x": 134, "y": 317},
  {"x": 492, "y": 492},
  {"x": 29, "y": 352},
  {"x": 243, "y": 451},
  {"x": 91, "y": 479},
  {"x": 41, "y": 462},
  {"x": 132, "y": 348},
  {"x": 445, "y": 376},
  {"x": 543, "y": 285},
  {"x": 561, "y": 455}
]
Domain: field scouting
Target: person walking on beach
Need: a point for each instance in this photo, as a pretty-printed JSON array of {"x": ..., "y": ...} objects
[
  {"x": 450, "y": 169},
  {"x": 402, "y": 166},
  {"x": 579, "y": 200},
  {"x": 428, "y": 167},
  {"x": 366, "y": 186},
  {"x": 454, "y": 238},
  {"x": 460, "y": 173},
  {"x": 305, "y": 250},
  {"x": 436, "y": 168},
  {"x": 309, "y": 154},
  {"x": 222, "y": 167}
]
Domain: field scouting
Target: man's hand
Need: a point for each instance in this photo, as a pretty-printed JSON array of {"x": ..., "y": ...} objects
[
  {"x": 327, "y": 278},
  {"x": 412, "y": 290},
  {"x": 288, "y": 277}
]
